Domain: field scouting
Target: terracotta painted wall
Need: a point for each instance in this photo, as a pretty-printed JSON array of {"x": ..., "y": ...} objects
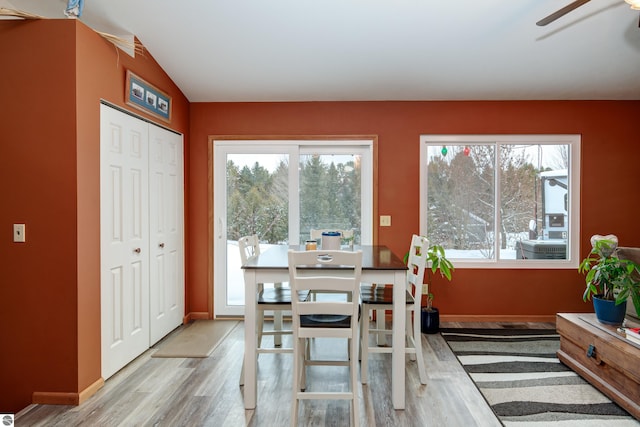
[
  {"x": 37, "y": 181},
  {"x": 53, "y": 75},
  {"x": 609, "y": 175}
]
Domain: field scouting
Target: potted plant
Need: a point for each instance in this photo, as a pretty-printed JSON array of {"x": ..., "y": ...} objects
[
  {"x": 430, "y": 316},
  {"x": 609, "y": 280}
]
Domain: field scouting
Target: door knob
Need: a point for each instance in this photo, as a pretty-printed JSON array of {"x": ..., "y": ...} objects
[
  {"x": 137, "y": 250},
  {"x": 161, "y": 245}
]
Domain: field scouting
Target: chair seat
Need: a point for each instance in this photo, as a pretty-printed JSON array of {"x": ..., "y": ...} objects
[
  {"x": 380, "y": 294},
  {"x": 280, "y": 295},
  {"x": 325, "y": 321}
]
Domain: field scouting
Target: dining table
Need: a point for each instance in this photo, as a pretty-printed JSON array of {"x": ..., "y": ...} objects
[{"x": 379, "y": 265}]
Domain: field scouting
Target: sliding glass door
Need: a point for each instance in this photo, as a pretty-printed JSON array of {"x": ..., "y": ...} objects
[{"x": 280, "y": 190}]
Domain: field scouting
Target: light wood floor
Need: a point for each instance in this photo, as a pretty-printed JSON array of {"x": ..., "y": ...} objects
[{"x": 205, "y": 392}]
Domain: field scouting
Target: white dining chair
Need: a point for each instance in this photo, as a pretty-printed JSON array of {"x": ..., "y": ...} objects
[
  {"x": 334, "y": 272},
  {"x": 276, "y": 299},
  {"x": 380, "y": 297}
]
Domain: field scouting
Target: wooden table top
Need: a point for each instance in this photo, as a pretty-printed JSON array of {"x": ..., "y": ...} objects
[{"x": 374, "y": 257}]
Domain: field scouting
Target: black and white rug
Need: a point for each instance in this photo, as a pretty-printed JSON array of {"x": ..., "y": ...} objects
[{"x": 519, "y": 375}]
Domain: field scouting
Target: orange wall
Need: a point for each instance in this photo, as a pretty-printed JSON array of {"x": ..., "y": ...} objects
[
  {"x": 610, "y": 202},
  {"x": 37, "y": 181},
  {"x": 54, "y": 73}
]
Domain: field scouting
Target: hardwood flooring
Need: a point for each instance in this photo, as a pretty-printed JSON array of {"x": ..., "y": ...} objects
[{"x": 205, "y": 392}]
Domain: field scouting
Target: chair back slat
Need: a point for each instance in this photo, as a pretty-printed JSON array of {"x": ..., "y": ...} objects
[
  {"x": 416, "y": 263},
  {"x": 319, "y": 307},
  {"x": 317, "y": 283}
]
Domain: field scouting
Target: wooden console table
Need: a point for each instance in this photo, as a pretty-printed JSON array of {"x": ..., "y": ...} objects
[{"x": 601, "y": 356}]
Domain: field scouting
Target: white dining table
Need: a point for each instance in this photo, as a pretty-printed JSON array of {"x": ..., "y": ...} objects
[{"x": 379, "y": 265}]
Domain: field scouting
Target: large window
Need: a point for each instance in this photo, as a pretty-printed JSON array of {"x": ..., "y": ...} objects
[
  {"x": 502, "y": 200},
  {"x": 279, "y": 190}
]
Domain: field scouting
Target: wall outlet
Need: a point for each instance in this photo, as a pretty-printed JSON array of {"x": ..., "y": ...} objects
[
  {"x": 385, "y": 220},
  {"x": 18, "y": 233}
]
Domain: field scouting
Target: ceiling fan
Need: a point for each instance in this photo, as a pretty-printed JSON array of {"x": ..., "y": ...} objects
[{"x": 635, "y": 4}]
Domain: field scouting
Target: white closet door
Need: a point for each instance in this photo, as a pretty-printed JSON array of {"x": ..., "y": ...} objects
[
  {"x": 166, "y": 224},
  {"x": 124, "y": 238}
]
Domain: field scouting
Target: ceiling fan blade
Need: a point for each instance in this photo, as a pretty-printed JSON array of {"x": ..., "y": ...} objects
[{"x": 561, "y": 12}]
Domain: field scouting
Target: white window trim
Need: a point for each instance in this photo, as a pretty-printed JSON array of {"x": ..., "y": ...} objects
[{"x": 573, "y": 247}]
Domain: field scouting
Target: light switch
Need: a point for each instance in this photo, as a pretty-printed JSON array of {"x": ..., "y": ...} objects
[
  {"x": 385, "y": 220},
  {"x": 18, "y": 233}
]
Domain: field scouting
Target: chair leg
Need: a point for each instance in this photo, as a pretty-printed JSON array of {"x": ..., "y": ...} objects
[
  {"x": 409, "y": 335},
  {"x": 277, "y": 322},
  {"x": 260, "y": 326},
  {"x": 363, "y": 317},
  {"x": 417, "y": 341},
  {"x": 381, "y": 339},
  {"x": 296, "y": 382},
  {"x": 294, "y": 412},
  {"x": 364, "y": 344},
  {"x": 354, "y": 343},
  {"x": 305, "y": 355},
  {"x": 277, "y": 326}
]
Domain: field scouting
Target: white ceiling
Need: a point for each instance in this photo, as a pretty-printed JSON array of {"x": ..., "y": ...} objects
[{"x": 317, "y": 50}]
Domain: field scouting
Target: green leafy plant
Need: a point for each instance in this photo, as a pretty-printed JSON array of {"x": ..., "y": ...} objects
[
  {"x": 609, "y": 277},
  {"x": 438, "y": 263}
]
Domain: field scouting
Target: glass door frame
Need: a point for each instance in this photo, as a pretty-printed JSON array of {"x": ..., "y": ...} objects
[{"x": 221, "y": 147}]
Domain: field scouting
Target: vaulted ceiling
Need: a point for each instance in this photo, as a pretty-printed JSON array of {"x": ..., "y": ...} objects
[{"x": 309, "y": 50}]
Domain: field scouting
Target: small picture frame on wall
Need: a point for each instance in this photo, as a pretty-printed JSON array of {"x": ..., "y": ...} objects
[{"x": 146, "y": 97}]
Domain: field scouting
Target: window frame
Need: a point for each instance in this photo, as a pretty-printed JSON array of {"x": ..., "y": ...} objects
[
  {"x": 573, "y": 241},
  {"x": 222, "y": 146}
]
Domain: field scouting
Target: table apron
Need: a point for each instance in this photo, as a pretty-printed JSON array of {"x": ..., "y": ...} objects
[{"x": 275, "y": 275}]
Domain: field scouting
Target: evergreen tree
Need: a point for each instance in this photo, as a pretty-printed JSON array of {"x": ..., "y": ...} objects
[{"x": 258, "y": 201}]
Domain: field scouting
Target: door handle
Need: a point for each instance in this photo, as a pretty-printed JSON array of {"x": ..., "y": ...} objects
[
  {"x": 137, "y": 250},
  {"x": 161, "y": 245}
]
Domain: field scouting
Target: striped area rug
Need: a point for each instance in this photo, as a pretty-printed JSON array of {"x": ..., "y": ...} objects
[{"x": 518, "y": 373}]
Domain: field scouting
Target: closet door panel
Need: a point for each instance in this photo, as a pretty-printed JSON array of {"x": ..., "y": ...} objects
[
  {"x": 124, "y": 239},
  {"x": 167, "y": 231}
]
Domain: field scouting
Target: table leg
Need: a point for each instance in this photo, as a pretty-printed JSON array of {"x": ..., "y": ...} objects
[
  {"x": 398, "y": 355},
  {"x": 250, "y": 354}
]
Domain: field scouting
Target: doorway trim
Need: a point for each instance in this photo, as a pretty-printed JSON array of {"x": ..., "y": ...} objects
[{"x": 210, "y": 201}]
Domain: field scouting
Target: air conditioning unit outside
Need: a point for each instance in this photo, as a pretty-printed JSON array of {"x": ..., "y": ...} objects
[{"x": 541, "y": 249}]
